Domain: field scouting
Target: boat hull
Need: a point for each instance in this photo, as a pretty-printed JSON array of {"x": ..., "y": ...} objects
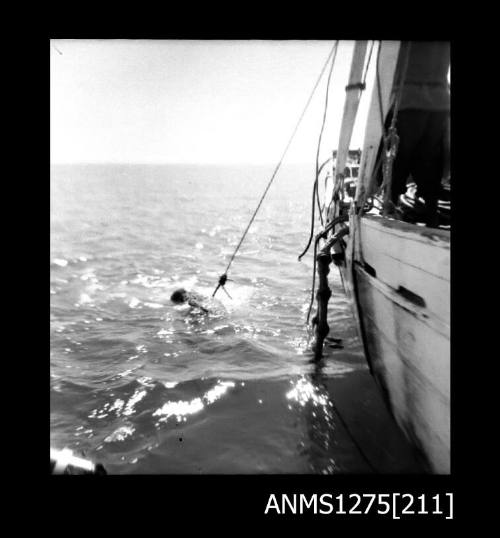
[{"x": 397, "y": 276}]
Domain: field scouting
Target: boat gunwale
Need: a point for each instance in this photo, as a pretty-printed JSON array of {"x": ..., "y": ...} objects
[{"x": 435, "y": 236}]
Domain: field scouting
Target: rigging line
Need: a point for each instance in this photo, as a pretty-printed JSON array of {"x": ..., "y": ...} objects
[
  {"x": 379, "y": 90},
  {"x": 311, "y": 233},
  {"x": 334, "y": 48},
  {"x": 323, "y": 208},
  {"x": 363, "y": 82},
  {"x": 323, "y": 127},
  {"x": 321, "y": 169},
  {"x": 315, "y": 198},
  {"x": 397, "y": 98},
  {"x": 395, "y": 104},
  {"x": 379, "y": 96},
  {"x": 313, "y": 283},
  {"x": 368, "y": 63},
  {"x": 324, "y": 164}
]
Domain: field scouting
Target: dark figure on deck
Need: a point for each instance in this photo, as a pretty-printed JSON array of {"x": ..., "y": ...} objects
[
  {"x": 181, "y": 296},
  {"x": 422, "y": 122}
]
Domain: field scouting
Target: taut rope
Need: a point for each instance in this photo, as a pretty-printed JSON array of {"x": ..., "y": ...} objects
[{"x": 223, "y": 278}]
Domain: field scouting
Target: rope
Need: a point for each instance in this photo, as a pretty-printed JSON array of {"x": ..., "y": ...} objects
[
  {"x": 396, "y": 103},
  {"x": 360, "y": 86},
  {"x": 324, "y": 164},
  {"x": 397, "y": 100},
  {"x": 326, "y": 179},
  {"x": 313, "y": 283},
  {"x": 311, "y": 233},
  {"x": 322, "y": 129},
  {"x": 223, "y": 277},
  {"x": 315, "y": 186},
  {"x": 379, "y": 90},
  {"x": 390, "y": 139},
  {"x": 368, "y": 64}
]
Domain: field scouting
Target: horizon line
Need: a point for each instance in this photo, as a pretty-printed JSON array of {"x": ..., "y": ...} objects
[{"x": 189, "y": 163}]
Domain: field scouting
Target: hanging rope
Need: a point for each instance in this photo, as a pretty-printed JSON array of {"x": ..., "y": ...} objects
[
  {"x": 368, "y": 64},
  {"x": 382, "y": 116},
  {"x": 223, "y": 278},
  {"x": 397, "y": 99},
  {"x": 315, "y": 193},
  {"x": 313, "y": 285},
  {"x": 322, "y": 129},
  {"x": 315, "y": 197},
  {"x": 379, "y": 89},
  {"x": 390, "y": 138},
  {"x": 338, "y": 191},
  {"x": 362, "y": 86}
]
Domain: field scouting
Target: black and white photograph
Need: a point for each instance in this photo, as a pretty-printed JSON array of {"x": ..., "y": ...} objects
[{"x": 250, "y": 257}]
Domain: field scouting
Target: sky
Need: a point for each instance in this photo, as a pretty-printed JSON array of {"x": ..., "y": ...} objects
[{"x": 204, "y": 102}]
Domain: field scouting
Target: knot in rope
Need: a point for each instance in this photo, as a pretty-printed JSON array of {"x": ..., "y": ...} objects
[{"x": 222, "y": 282}]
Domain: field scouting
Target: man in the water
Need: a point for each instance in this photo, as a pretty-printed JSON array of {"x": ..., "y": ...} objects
[{"x": 181, "y": 296}]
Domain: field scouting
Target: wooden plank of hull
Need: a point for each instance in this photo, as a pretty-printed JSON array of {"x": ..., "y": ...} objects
[
  {"x": 411, "y": 361},
  {"x": 412, "y": 257},
  {"x": 407, "y": 346}
]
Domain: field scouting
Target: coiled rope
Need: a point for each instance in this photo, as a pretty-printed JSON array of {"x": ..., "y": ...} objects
[{"x": 223, "y": 278}]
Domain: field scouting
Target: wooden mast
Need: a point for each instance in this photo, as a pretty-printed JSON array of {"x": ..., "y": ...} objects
[
  {"x": 324, "y": 259},
  {"x": 353, "y": 96}
]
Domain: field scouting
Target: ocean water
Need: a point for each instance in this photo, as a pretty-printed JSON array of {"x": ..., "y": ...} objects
[{"x": 144, "y": 386}]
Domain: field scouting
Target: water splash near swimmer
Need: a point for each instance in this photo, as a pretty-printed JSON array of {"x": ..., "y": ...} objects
[{"x": 240, "y": 297}]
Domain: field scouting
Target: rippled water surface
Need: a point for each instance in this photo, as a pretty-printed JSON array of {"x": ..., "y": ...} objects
[{"x": 144, "y": 386}]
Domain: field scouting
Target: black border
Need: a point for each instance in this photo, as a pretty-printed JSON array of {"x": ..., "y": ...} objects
[{"x": 220, "y": 497}]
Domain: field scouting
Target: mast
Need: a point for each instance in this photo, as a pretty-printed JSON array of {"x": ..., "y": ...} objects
[
  {"x": 354, "y": 90},
  {"x": 351, "y": 103}
]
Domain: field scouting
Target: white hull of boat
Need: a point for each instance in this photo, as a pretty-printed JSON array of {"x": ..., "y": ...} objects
[{"x": 398, "y": 277}]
